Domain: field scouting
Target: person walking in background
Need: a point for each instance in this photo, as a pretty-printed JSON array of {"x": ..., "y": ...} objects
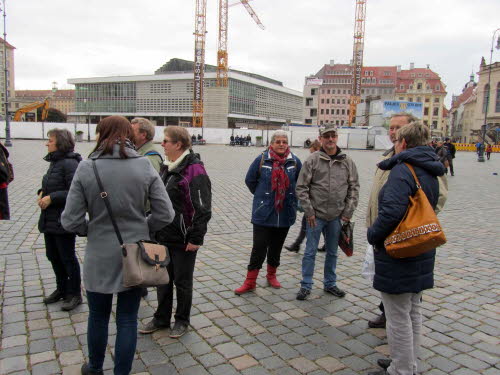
[
  {"x": 442, "y": 154},
  {"x": 6, "y": 177},
  {"x": 295, "y": 247},
  {"x": 129, "y": 180},
  {"x": 59, "y": 243},
  {"x": 189, "y": 188},
  {"x": 328, "y": 190},
  {"x": 401, "y": 281},
  {"x": 489, "y": 150},
  {"x": 450, "y": 150},
  {"x": 271, "y": 179}
]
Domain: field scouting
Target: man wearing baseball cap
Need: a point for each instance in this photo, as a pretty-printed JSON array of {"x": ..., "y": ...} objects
[{"x": 328, "y": 190}]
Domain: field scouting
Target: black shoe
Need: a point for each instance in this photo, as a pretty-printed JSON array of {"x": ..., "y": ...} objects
[
  {"x": 144, "y": 292},
  {"x": 384, "y": 363},
  {"x": 293, "y": 248},
  {"x": 71, "y": 302},
  {"x": 335, "y": 291},
  {"x": 87, "y": 371},
  {"x": 54, "y": 297},
  {"x": 303, "y": 294},
  {"x": 378, "y": 322},
  {"x": 178, "y": 330},
  {"x": 322, "y": 249},
  {"x": 153, "y": 326}
]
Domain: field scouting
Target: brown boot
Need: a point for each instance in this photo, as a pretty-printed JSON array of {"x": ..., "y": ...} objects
[
  {"x": 271, "y": 277},
  {"x": 378, "y": 322},
  {"x": 249, "y": 283}
]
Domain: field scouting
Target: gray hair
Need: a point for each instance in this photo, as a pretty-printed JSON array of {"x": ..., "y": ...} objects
[
  {"x": 145, "y": 126},
  {"x": 279, "y": 133},
  {"x": 409, "y": 116},
  {"x": 415, "y": 134},
  {"x": 64, "y": 139}
]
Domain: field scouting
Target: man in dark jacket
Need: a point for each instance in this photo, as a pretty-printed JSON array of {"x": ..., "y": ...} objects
[
  {"x": 450, "y": 147},
  {"x": 401, "y": 281}
]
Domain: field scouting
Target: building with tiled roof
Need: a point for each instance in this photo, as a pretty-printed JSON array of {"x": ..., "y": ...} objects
[
  {"x": 327, "y": 93},
  {"x": 63, "y": 100},
  {"x": 461, "y": 113}
]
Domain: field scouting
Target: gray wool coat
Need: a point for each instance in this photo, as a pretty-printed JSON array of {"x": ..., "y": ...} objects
[{"x": 130, "y": 183}]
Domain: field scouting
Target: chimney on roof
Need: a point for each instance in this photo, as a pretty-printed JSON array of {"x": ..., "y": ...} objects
[
  {"x": 428, "y": 66},
  {"x": 412, "y": 66},
  {"x": 332, "y": 62},
  {"x": 398, "y": 68}
]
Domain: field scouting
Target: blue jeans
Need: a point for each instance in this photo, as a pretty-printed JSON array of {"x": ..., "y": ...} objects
[
  {"x": 331, "y": 230},
  {"x": 126, "y": 324}
]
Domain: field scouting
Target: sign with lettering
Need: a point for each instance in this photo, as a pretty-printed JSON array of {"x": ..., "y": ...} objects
[{"x": 392, "y": 107}]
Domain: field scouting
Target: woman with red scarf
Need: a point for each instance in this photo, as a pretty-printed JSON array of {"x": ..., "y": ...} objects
[{"x": 271, "y": 179}]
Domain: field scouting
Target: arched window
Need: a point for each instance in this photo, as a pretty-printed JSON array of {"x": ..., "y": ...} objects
[
  {"x": 497, "y": 104},
  {"x": 485, "y": 97}
]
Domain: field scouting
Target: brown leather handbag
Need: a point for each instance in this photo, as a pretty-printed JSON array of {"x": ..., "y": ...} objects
[{"x": 419, "y": 231}]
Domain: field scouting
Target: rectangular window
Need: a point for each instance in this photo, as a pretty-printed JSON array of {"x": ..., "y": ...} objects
[
  {"x": 419, "y": 86},
  {"x": 322, "y": 101},
  {"x": 327, "y": 111},
  {"x": 401, "y": 87},
  {"x": 426, "y": 111},
  {"x": 436, "y": 100},
  {"x": 328, "y": 91},
  {"x": 327, "y": 101},
  {"x": 313, "y": 112},
  {"x": 435, "y": 111},
  {"x": 308, "y": 121},
  {"x": 322, "y": 111},
  {"x": 313, "y": 92},
  {"x": 309, "y": 102}
]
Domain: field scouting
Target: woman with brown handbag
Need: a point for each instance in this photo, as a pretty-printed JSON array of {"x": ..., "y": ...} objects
[{"x": 401, "y": 281}]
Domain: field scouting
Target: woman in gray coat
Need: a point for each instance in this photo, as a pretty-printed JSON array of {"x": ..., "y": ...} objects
[{"x": 130, "y": 181}]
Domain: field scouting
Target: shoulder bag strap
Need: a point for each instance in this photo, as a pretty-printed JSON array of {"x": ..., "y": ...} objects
[
  {"x": 410, "y": 167},
  {"x": 104, "y": 196}
]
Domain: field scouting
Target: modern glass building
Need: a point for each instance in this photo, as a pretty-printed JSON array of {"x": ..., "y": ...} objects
[{"x": 167, "y": 96}]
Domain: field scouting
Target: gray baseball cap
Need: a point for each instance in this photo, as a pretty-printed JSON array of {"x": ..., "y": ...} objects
[{"x": 327, "y": 129}]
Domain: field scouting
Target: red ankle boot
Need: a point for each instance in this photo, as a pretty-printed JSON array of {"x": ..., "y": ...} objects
[
  {"x": 271, "y": 277},
  {"x": 249, "y": 283}
]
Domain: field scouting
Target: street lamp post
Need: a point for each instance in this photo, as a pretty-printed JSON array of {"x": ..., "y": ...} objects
[
  {"x": 267, "y": 140},
  {"x": 484, "y": 129},
  {"x": 8, "y": 141},
  {"x": 88, "y": 118}
]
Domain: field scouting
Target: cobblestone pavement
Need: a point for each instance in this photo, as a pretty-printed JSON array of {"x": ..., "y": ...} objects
[{"x": 266, "y": 332}]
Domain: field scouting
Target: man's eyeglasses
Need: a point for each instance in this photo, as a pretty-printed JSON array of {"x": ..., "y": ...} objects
[{"x": 167, "y": 141}]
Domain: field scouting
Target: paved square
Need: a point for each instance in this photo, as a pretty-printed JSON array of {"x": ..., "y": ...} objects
[{"x": 266, "y": 332}]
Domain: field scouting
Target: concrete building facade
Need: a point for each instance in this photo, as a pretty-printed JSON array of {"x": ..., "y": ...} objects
[
  {"x": 10, "y": 75},
  {"x": 166, "y": 98}
]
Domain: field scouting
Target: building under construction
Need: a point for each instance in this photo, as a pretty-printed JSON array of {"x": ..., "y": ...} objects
[{"x": 166, "y": 98}]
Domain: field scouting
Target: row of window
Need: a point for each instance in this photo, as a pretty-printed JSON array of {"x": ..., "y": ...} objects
[
  {"x": 419, "y": 87},
  {"x": 334, "y": 111},
  {"x": 418, "y": 99}
]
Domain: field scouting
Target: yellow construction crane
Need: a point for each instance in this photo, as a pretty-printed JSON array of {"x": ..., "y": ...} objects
[
  {"x": 222, "y": 55},
  {"x": 357, "y": 58},
  {"x": 30, "y": 107},
  {"x": 199, "y": 61}
]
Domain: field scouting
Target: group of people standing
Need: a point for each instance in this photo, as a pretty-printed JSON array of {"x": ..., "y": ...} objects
[
  {"x": 152, "y": 199},
  {"x": 240, "y": 140},
  {"x": 169, "y": 201}
]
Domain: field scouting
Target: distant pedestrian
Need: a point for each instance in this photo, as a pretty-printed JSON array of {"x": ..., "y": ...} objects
[
  {"x": 328, "y": 190},
  {"x": 451, "y": 150},
  {"x": 6, "y": 177},
  {"x": 130, "y": 180},
  {"x": 442, "y": 154},
  {"x": 271, "y": 179},
  {"x": 401, "y": 281},
  {"x": 295, "y": 247},
  {"x": 478, "y": 148},
  {"x": 231, "y": 140},
  {"x": 188, "y": 186},
  {"x": 489, "y": 150},
  {"x": 59, "y": 243}
]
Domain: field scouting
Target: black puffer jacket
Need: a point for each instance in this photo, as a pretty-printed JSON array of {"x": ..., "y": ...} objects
[
  {"x": 56, "y": 183},
  {"x": 408, "y": 275},
  {"x": 190, "y": 191}
]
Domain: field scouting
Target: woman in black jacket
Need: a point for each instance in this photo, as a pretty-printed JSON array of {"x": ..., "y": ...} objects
[
  {"x": 401, "y": 281},
  {"x": 189, "y": 188},
  {"x": 59, "y": 244}
]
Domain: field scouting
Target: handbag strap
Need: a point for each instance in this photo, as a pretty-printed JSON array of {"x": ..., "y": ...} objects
[
  {"x": 104, "y": 196},
  {"x": 410, "y": 167}
]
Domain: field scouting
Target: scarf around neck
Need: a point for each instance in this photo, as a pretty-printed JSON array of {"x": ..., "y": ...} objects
[
  {"x": 279, "y": 179},
  {"x": 174, "y": 164}
]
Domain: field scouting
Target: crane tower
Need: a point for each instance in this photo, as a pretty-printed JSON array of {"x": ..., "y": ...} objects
[
  {"x": 357, "y": 58},
  {"x": 199, "y": 61}
]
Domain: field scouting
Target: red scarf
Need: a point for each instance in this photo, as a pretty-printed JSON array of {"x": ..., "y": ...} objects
[{"x": 279, "y": 178}]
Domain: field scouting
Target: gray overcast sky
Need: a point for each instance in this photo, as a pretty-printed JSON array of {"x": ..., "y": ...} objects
[{"x": 60, "y": 39}]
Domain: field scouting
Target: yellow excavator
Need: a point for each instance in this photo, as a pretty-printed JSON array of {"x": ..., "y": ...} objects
[{"x": 28, "y": 108}]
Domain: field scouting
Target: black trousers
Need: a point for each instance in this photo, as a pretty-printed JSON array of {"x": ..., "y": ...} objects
[
  {"x": 181, "y": 270},
  {"x": 450, "y": 161},
  {"x": 267, "y": 241},
  {"x": 60, "y": 250}
]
